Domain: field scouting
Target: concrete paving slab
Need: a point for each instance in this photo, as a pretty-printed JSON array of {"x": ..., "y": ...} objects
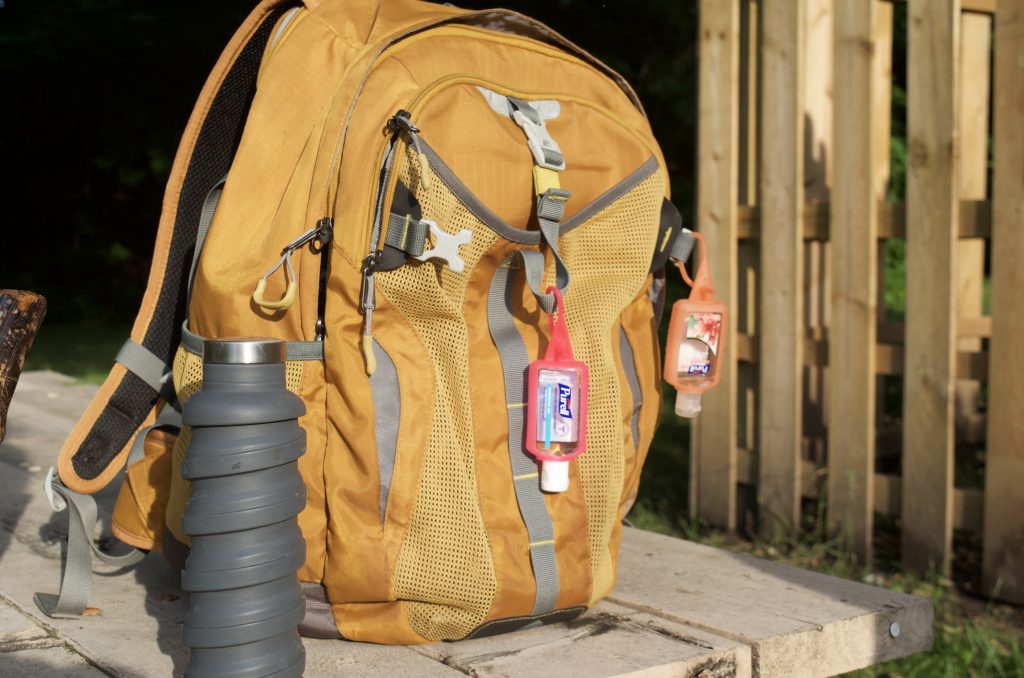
[{"x": 37, "y": 663}]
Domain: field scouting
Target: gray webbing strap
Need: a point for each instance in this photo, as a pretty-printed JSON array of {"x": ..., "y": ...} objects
[
  {"x": 407, "y": 234},
  {"x": 550, "y": 209},
  {"x": 77, "y": 579},
  {"x": 205, "y": 219},
  {"x": 144, "y": 364},
  {"x": 682, "y": 246},
  {"x": 296, "y": 350},
  {"x": 514, "y": 363}
]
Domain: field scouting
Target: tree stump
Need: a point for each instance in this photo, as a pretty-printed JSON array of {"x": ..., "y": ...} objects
[{"x": 21, "y": 314}]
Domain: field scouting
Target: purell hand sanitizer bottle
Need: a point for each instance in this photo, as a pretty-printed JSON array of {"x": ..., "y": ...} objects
[
  {"x": 696, "y": 339},
  {"x": 557, "y": 405}
]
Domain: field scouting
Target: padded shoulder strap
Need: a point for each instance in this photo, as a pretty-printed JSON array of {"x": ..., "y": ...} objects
[{"x": 129, "y": 399}]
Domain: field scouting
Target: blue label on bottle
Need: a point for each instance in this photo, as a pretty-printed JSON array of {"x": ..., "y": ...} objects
[
  {"x": 699, "y": 369},
  {"x": 564, "y": 401}
]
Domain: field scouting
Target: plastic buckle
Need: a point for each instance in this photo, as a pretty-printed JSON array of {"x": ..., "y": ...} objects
[
  {"x": 57, "y": 502},
  {"x": 446, "y": 246},
  {"x": 545, "y": 150}
]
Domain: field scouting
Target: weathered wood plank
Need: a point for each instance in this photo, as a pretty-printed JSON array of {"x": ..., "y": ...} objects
[
  {"x": 750, "y": 105},
  {"x": 781, "y": 201},
  {"x": 21, "y": 314},
  {"x": 1003, "y": 560},
  {"x": 854, "y": 228},
  {"x": 798, "y": 623},
  {"x": 610, "y": 640},
  {"x": 930, "y": 357},
  {"x": 713, "y": 467},
  {"x": 972, "y": 121}
]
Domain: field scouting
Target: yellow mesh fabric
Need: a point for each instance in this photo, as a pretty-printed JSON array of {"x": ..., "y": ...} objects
[
  {"x": 188, "y": 379},
  {"x": 444, "y": 568},
  {"x": 608, "y": 257}
]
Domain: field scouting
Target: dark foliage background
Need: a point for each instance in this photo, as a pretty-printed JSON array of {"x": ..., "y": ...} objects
[{"x": 94, "y": 95}]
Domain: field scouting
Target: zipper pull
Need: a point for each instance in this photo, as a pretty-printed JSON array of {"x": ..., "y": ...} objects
[
  {"x": 368, "y": 302},
  {"x": 320, "y": 245},
  {"x": 401, "y": 122}
]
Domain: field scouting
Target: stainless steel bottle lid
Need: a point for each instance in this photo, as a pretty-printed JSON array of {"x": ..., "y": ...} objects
[{"x": 244, "y": 351}]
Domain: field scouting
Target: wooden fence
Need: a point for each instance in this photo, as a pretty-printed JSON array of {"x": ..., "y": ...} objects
[{"x": 794, "y": 165}]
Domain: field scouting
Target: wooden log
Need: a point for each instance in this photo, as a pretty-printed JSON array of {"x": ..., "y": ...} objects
[
  {"x": 781, "y": 295},
  {"x": 854, "y": 230},
  {"x": 933, "y": 183},
  {"x": 1003, "y": 558},
  {"x": 21, "y": 314},
  {"x": 713, "y": 450}
]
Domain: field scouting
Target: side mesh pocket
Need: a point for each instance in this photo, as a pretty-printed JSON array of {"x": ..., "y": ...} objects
[{"x": 139, "y": 510}]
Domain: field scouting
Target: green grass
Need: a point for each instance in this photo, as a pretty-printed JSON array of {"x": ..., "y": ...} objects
[{"x": 84, "y": 352}]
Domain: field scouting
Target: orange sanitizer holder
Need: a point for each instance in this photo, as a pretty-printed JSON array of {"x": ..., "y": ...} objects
[
  {"x": 696, "y": 339},
  {"x": 556, "y": 405}
]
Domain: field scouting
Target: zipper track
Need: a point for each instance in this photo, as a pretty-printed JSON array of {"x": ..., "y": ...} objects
[{"x": 422, "y": 98}]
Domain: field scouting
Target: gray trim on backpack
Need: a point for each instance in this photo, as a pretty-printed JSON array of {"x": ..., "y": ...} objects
[
  {"x": 633, "y": 379},
  {"x": 532, "y": 507},
  {"x": 518, "y": 235},
  {"x": 297, "y": 350},
  {"x": 595, "y": 206},
  {"x": 387, "y": 411}
]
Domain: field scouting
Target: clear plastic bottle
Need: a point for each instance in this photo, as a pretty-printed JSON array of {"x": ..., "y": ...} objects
[
  {"x": 696, "y": 340},
  {"x": 557, "y": 406}
]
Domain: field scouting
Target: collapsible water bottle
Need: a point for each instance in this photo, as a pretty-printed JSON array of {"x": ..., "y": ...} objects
[
  {"x": 696, "y": 339},
  {"x": 246, "y": 603}
]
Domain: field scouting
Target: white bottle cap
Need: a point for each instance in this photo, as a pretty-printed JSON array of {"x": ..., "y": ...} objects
[
  {"x": 554, "y": 476},
  {"x": 687, "y": 404}
]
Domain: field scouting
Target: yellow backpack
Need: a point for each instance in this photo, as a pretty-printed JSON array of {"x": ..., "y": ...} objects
[{"x": 391, "y": 186}]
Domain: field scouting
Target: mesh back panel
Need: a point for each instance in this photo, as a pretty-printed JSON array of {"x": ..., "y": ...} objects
[
  {"x": 188, "y": 379},
  {"x": 609, "y": 257},
  {"x": 445, "y": 565}
]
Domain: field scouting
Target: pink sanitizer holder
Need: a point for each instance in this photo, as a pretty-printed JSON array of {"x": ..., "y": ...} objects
[{"x": 556, "y": 406}]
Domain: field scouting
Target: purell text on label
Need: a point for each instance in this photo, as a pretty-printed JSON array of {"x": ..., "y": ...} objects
[{"x": 564, "y": 401}]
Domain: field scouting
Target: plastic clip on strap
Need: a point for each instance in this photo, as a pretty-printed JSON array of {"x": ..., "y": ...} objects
[
  {"x": 545, "y": 150},
  {"x": 77, "y": 580}
]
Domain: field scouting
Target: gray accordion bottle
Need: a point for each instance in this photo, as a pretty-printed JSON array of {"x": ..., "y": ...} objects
[{"x": 246, "y": 603}]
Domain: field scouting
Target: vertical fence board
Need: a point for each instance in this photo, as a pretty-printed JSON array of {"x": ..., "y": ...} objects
[
  {"x": 817, "y": 151},
  {"x": 975, "y": 53},
  {"x": 781, "y": 198},
  {"x": 932, "y": 223},
  {"x": 714, "y": 437},
  {"x": 750, "y": 102},
  {"x": 881, "y": 142},
  {"x": 853, "y": 229},
  {"x": 1003, "y": 563}
]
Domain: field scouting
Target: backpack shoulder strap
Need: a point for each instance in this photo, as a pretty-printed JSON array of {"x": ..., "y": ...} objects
[{"x": 137, "y": 387}]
